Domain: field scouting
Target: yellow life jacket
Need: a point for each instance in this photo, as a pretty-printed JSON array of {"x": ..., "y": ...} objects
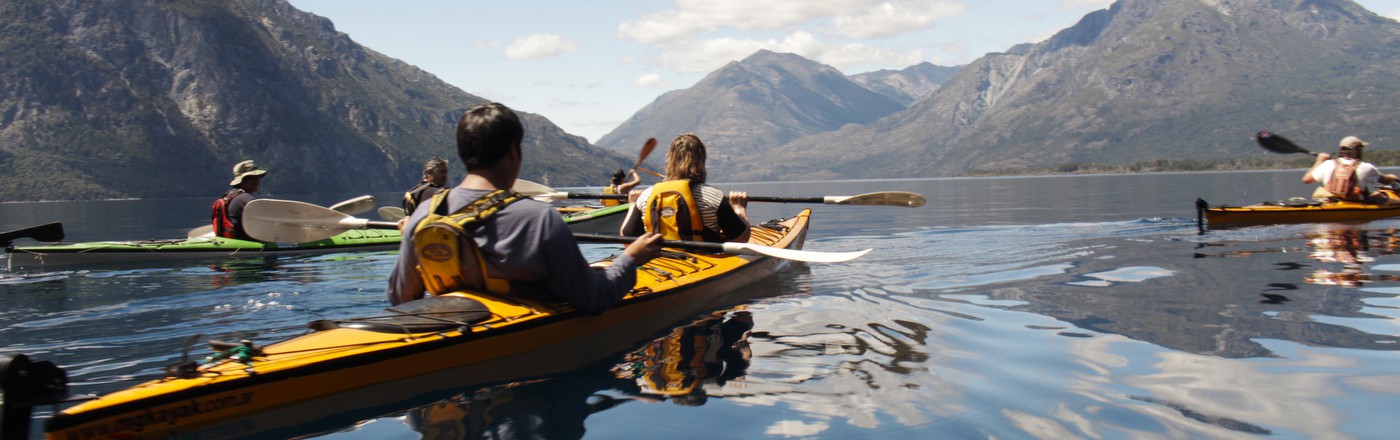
[
  {"x": 672, "y": 212},
  {"x": 610, "y": 189},
  {"x": 449, "y": 260}
]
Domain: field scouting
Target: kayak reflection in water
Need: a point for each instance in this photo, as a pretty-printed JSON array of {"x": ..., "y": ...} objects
[
  {"x": 710, "y": 350},
  {"x": 1352, "y": 247}
]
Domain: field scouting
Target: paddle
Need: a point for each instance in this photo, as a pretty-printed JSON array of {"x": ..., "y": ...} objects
[
  {"x": 288, "y": 221},
  {"x": 646, "y": 151},
  {"x": 49, "y": 232},
  {"x": 1279, "y": 144},
  {"x": 356, "y": 205},
  {"x": 391, "y": 213},
  {"x": 883, "y": 198},
  {"x": 394, "y": 213},
  {"x": 737, "y": 249}
]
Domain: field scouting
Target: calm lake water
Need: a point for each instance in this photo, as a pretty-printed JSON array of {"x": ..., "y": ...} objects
[{"x": 1039, "y": 307}]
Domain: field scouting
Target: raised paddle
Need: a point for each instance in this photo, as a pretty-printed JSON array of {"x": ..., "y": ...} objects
[
  {"x": 49, "y": 232},
  {"x": 883, "y": 198},
  {"x": 288, "y": 221},
  {"x": 646, "y": 151},
  {"x": 1279, "y": 144},
  {"x": 356, "y": 205}
]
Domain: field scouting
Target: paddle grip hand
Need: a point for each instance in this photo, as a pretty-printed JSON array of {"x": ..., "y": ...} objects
[{"x": 646, "y": 247}]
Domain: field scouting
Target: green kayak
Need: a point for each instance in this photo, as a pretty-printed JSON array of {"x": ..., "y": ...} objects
[{"x": 100, "y": 252}]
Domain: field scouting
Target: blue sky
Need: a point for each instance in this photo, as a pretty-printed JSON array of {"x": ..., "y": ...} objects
[{"x": 588, "y": 66}]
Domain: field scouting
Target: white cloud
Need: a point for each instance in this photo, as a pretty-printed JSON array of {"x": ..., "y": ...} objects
[
  {"x": 651, "y": 81},
  {"x": 539, "y": 46},
  {"x": 706, "y": 55},
  {"x": 1071, "y": 5},
  {"x": 891, "y": 18},
  {"x": 858, "y": 18}
]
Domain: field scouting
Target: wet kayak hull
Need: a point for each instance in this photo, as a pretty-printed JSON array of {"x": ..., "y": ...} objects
[{"x": 336, "y": 359}]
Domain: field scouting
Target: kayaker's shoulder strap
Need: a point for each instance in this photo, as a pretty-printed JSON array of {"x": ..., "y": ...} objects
[
  {"x": 414, "y": 196},
  {"x": 1342, "y": 183},
  {"x": 219, "y": 218},
  {"x": 449, "y": 259}
]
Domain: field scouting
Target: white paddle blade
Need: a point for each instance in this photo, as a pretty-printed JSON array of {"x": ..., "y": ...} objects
[
  {"x": 793, "y": 254},
  {"x": 289, "y": 221},
  {"x": 883, "y": 198},
  {"x": 549, "y": 197},
  {"x": 391, "y": 213},
  {"x": 202, "y": 231},
  {"x": 530, "y": 189},
  {"x": 358, "y": 205}
]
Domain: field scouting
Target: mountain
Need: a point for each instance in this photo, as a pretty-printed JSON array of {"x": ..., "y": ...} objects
[
  {"x": 909, "y": 84},
  {"x": 752, "y": 105},
  {"x": 1141, "y": 80},
  {"x": 159, "y": 98}
]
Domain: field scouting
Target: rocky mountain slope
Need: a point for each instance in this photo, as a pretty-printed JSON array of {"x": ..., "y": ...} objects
[
  {"x": 751, "y": 105},
  {"x": 156, "y": 98},
  {"x": 1142, "y": 80},
  {"x": 909, "y": 84}
]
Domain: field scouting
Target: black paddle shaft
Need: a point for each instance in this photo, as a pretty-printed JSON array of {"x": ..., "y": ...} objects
[
  {"x": 751, "y": 198},
  {"x": 682, "y": 244}
]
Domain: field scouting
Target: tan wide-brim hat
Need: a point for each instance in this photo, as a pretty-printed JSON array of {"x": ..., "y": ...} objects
[
  {"x": 244, "y": 169},
  {"x": 1352, "y": 141}
]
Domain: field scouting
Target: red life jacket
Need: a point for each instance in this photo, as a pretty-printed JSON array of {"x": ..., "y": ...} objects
[{"x": 223, "y": 225}]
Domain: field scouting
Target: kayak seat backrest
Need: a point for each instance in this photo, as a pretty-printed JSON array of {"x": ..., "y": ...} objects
[{"x": 431, "y": 314}]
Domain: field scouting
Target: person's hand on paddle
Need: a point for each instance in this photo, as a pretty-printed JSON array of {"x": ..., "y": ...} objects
[
  {"x": 739, "y": 200},
  {"x": 644, "y": 248}
]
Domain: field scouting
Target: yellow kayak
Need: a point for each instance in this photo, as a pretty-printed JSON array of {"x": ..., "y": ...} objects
[
  {"x": 419, "y": 339},
  {"x": 1296, "y": 210}
]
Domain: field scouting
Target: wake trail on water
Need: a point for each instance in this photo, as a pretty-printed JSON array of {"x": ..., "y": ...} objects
[{"x": 955, "y": 259}]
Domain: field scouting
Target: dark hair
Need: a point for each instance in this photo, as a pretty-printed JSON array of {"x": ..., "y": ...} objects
[
  {"x": 618, "y": 176},
  {"x": 486, "y": 133},
  {"x": 433, "y": 164}
]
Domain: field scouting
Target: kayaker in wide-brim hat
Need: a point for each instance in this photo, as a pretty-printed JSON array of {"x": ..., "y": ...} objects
[
  {"x": 227, "y": 215},
  {"x": 243, "y": 170}
]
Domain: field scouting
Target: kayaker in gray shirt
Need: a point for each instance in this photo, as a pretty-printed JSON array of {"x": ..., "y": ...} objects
[{"x": 526, "y": 242}]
